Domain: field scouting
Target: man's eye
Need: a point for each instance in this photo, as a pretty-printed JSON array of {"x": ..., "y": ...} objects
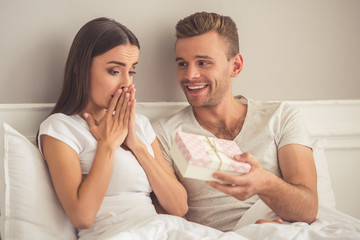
[
  {"x": 201, "y": 63},
  {"x": 182, "y": 64},
  {"x": 132, "y": 73}
]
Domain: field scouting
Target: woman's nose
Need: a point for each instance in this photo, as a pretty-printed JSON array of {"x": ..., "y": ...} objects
[{"x": 126, "y": 81}]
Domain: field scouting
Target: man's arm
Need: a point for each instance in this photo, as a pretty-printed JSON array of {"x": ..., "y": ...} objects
[{"x": 293, "y": 198}]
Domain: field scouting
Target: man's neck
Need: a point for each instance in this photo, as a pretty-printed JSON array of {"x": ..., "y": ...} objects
[{"x": 224, "y": 120}]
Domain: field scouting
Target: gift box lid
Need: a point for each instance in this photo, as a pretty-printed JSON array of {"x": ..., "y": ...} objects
[{"x": 210, "y": 152}]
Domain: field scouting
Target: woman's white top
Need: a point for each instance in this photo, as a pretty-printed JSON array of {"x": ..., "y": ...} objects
[{"x": 128, "y": 195}]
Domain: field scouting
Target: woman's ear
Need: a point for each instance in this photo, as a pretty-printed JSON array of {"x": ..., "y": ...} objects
[{"x": 237, "y": 61}]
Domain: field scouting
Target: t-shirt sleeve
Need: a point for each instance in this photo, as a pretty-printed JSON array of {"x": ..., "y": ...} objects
[
  {"x": 145, "y": 132},
  {"x": 165, "y": 142},
  {"x": 58, "y": 127},
  {"x": 293, "y": 129},
  {"x": 144, "y": 129}
]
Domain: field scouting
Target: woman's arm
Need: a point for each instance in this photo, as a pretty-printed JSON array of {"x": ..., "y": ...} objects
[
  {"x": 169, "y": 192},
  {"x": 81, "y": 199}
]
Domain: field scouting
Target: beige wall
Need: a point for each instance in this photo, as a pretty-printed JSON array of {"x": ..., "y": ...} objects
[{"x": 293, "y": 50}]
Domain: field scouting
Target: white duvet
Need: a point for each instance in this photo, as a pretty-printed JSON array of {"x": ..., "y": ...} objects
[{"x": 330, "y": 224}]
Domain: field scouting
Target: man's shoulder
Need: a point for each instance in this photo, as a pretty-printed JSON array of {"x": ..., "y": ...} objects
[
  {"x": 174, "y": 120},
  {"x": 271, "y": 107},
  {"x": 166, "y": 127}
]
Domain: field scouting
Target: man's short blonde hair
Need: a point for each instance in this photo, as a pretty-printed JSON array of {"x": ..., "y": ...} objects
[{"x": 203, "y": 22}]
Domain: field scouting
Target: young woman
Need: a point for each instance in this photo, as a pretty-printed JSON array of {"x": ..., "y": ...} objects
[{"x": 104, "y": 159}]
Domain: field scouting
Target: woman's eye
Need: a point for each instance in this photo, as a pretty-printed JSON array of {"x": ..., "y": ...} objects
[
  {"x": 132, "y": 73},
  {"x": 113, "y": 72}
]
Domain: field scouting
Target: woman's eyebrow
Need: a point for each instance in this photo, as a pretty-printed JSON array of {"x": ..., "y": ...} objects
[{"x": 121, "y": 63}]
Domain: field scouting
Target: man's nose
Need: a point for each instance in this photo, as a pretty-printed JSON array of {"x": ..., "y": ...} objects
[{"x": 192, "y": 73}]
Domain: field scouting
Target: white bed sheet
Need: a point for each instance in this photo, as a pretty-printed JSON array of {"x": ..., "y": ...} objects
[{"x": 330, "y": 224}]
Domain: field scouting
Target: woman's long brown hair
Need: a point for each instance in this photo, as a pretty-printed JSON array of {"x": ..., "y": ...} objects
[{"x": 94, "y": 38}]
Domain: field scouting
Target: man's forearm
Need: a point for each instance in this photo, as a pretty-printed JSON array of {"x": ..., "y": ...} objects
[{"x": 294, "y": 203}]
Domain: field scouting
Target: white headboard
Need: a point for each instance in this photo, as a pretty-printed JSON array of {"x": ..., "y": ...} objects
[{"x": 337, "y": 121}]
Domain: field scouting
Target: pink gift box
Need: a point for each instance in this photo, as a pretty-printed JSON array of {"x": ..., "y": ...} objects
[{"x": 199, "y": 156}]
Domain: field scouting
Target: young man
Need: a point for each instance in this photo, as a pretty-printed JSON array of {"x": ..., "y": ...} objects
[{"x": 272, "y": 136}]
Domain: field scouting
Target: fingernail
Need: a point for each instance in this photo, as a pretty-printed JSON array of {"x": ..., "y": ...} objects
[
  {"x": 86, "y": 115},
  {"x": 237, "y": 157},
  {"x": 127, "y": 95}
]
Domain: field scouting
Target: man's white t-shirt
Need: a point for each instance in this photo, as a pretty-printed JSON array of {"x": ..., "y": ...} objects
[
  {"x": 268, "y": 126},
  {"x": 128, "y": 195}
]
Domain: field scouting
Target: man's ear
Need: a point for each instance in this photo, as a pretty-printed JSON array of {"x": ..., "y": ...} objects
[{"x": 237, "y": 65}]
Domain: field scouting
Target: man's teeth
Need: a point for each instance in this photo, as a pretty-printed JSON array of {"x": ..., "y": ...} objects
[{"x": 195, "y": 87}]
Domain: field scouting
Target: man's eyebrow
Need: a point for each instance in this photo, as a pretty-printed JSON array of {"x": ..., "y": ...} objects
[
  {"x": 197, "y": 56},
  {"x": 121, "y": 63},
  {"x": 203, "y": 56}
]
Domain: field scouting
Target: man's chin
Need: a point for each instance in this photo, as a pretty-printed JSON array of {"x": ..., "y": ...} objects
[
  {"x": 197, "y": 104},
  {"x": 194, "y": 102}
]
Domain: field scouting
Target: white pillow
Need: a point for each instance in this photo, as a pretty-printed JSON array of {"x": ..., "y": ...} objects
[
  {"x": 325, "y": 191},
  {"x": 29, "y": 206}
]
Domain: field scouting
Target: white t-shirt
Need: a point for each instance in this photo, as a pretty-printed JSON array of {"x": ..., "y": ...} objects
[
  {"x": 268, "y": 126},
  {"x": 128, "y": 195}
]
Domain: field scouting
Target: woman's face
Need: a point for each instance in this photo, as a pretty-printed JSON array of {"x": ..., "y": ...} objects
[{"x": 110, "y": 71}]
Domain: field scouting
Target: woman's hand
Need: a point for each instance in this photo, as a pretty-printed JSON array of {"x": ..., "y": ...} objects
[
  {"x": 114, "y": 127},
  {"x": 131, "y": 140}
]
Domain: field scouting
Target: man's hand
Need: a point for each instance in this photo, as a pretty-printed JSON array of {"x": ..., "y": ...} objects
[
  {"x": 278, "y": 221},
  {"x": 244, "y": 186},
  {"x": 287, "y": 196}
]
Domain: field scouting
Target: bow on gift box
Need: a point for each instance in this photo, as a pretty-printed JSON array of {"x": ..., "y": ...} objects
[{"x": 216, "y": 150}]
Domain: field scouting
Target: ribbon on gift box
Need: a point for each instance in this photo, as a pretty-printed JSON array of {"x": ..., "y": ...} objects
[{"x": 216, "y": 151}]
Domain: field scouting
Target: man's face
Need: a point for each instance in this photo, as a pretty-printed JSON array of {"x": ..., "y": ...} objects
[{"x": 203, "y": 71}]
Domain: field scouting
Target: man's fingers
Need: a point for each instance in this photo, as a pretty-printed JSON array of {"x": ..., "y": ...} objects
[
  {"x": 229, "y": 179},
  {"x": 225, "y": 188},
  {"x": 278, "y": 221}
]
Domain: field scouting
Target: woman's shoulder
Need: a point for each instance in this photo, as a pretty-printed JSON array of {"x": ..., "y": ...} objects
[
  {"x": 60, "y": 120},
  {"x": 142, "y": 121},
  {"x": 57, "y": 117}
]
